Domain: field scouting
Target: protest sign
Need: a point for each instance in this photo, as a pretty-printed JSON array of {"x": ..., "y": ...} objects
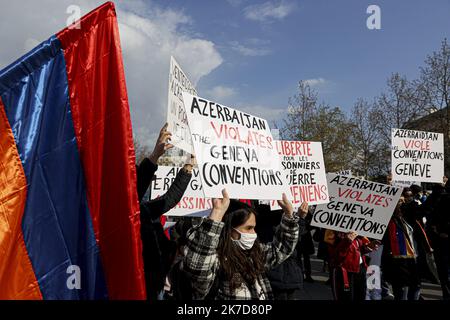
[
  {"x": 417, "y": 156},
  {"x": 176, "y": 115},
  {"x": 404, "y": 184},
  {"x": 357, "y": 205},
  {"x": 344, "y": 172},
  {"x": 193, "y": 202},
  {"x": 234, "y": 150},
  {"x": 303, "y": 164}
]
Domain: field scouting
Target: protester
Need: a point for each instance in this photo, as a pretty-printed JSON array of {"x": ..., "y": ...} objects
[
  {"x": 412, "y": 209},
  {"x": 417, "y": 193},
  {"x": 322, "y": 251},
  {"x": 306, "y": 248},
  {"x": 414, "y": 213},
  {"x": 148, "y": 166},
  {"x": 180, "y": 284},
  {"x": 224, "y": 258},
  {"x": 158, "y": 250},
  {"x": 285, "y": 279},
  {"x": 400, "y": 254},
  {"x": 348, "y": 264},
  {"x": 438, "y": 228}
]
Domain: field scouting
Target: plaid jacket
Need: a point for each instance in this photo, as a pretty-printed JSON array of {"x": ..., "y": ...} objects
[{"x": 202, "y": 264}]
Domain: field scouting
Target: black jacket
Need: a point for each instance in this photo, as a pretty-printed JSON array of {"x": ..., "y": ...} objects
[
  {"x": 158, "y": 250},
  {"x": 438, "y": 219},
  {"x": 305, "y": 242},
  {"x": 289, "y": 274},
  {"x": 144, "y": 172},
  {"x": 406, "y": 271}
]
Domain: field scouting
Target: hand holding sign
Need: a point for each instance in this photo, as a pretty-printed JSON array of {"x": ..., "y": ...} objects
[
  {"x": 192, "y": 203},
  {"x": 372, "y": 246},
  {"x": 176, "y": 114},
  {"x": 190, "y": 165},
  {"x": 161, "y": 145},
  {"x": 286, "y": 205},
  {"x": 303, "y": 210},
  {"x": 357, "y": 205},
  {"x": 220, "y": 206},
  {"x": 351, "y": 235},
  {"x": 234, "y": 150},
  {"x": 304, "y": 167}
]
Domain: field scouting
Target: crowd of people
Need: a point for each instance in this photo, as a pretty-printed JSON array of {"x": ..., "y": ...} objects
[{"x": 243, "y": 250}]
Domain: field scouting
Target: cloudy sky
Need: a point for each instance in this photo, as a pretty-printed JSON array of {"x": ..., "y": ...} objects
[{"x": 247, "y": 54}]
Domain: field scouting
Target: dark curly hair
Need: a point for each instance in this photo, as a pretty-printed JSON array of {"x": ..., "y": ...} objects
[{"x": 239, "y": 266}]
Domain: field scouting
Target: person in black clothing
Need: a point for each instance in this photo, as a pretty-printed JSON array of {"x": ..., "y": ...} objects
[
  {"x": 412, "y": 207},
  {"x": 286, "y": 279},
  {"x": 414, "y": 213},
  {"x": 180, "y": 282},
  {"x": 438, "y": 228},
  {"x": 306, "y": 249},
  {"x": 322, "y": 251},
  {"x": 158, "y": 250},
  {"x": 407, "y": 253}
]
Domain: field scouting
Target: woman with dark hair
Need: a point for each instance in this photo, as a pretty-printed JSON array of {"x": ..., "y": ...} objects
[{"x": 224, "y": 258}]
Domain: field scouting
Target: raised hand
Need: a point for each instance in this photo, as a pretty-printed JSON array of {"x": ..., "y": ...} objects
[
  {"x": 161, "y": 145},
  {"x": 373, "y": 245},
  {"x": 351, "y": 235},
  {"x": 190, "y": 164},
  {"x": 220, "y": 206},
  {"x": 303, "y": 210},
  {"x": 286, "y": 205}
]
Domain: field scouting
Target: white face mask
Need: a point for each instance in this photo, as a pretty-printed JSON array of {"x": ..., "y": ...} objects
[{"x": 246, "y": 241}]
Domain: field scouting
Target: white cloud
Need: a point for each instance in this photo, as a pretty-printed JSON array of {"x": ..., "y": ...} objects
[
  {"x": 270, "y": 113},
  {"x": 147, "y": 45},
  {"x": 149, "y": 35},
  {"x": 249, "y": 51},
  {"x": 268, "y": 11},
  {"x": 219, "y": 93},
  {"x": 258, "y": 42},
  {"x": 316, "y": 82}
]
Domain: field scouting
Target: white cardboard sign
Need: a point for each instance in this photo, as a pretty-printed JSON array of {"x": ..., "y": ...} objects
[
  {"x": 234, "y": 150},
  {"x": 304, "y": 167},
  {"x": 344, "y": 172},
  {"x": 417, "y": 156},
  {"x": 176, "y": 115},
  {"x": 357, "y": 205},
  {"x": 193, "y": 202}
]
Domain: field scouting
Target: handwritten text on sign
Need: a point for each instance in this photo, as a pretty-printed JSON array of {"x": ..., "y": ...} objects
[
  {"x": 234, "y": 150},
  {"x": 193, "y": 202},
  {"x": 176, "y": 115},
  {"x": 344, "y": 172},
  {"x": 417, "y": 156},
  {"x": 304, "y": 167},
  {"x": 357, "y": 205}
]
